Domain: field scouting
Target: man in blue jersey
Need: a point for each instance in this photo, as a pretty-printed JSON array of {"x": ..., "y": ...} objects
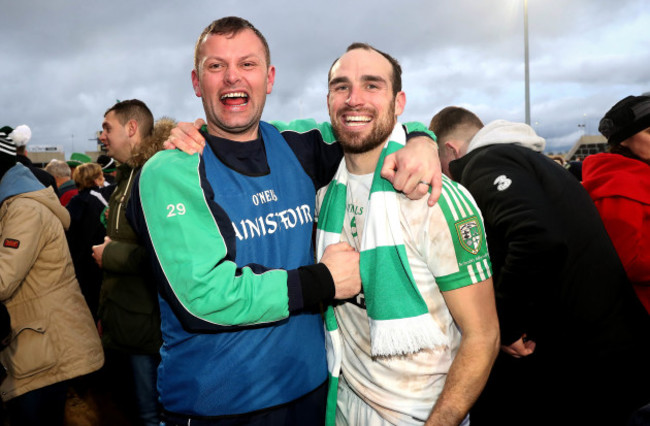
[{"x": 230, "y": 236}]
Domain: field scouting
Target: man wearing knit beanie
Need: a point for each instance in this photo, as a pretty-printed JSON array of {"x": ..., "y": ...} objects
[
  {"x": 7, "y": 153},
  {"x": 20, "y": 136}
]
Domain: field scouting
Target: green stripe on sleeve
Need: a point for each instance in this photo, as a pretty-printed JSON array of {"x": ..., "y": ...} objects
[
  {"x": 306, "y": 125},
  {"x": 416, "y": 126},
  {"x": 190, "y": 249},
  {"x": 468, "y": 236}
]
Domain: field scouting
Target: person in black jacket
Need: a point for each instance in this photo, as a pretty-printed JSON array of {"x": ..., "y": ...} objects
[
  {"x": 87, "y": 230},
  {"x": 574, "y": 337}
]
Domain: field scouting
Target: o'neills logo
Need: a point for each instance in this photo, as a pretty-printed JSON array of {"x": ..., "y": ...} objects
[
  {"x": 273, "y": 222},
  {"x": 264, "y": 197},
  {"x": 11, "y": 243}
]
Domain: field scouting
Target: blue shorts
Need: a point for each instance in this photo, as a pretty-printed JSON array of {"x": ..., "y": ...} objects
[{"x": 306, "y": 410}]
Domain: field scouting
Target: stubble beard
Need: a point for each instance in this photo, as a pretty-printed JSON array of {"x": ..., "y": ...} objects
[{"x": 354, "y": 143}]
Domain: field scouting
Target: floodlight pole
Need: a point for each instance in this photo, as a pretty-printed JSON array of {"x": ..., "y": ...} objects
[{"x": 526, "y": 62}]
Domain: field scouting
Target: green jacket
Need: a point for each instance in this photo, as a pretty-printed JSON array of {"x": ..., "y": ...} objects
[{"x": 128, "y": 305}]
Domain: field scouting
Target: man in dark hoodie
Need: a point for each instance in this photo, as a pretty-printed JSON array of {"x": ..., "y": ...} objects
[{"x": 574, "y": 337}]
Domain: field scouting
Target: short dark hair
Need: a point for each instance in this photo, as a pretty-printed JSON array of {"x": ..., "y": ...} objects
[
  {"x": 396, "y": 79},
  {"x": 229, "y": 26},
  {"x": 134, "y": 109},
  {"x": 451, "y": 118}
]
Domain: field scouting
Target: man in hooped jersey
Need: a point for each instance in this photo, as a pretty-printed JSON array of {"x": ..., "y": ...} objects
[{"x": 417, "y": 348}]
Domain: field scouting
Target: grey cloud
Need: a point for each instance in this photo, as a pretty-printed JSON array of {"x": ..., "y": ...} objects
[{"x": 64, "y": 63}]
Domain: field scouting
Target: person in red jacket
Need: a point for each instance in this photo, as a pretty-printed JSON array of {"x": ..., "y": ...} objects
[{"x": 619, "y": 184}]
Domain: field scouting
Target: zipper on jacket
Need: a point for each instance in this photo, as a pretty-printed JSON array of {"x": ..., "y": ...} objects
[{"x": 127, "y": 190}]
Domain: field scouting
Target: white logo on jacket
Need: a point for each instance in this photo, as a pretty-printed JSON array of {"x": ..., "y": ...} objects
[
  {"x": 502, "y": 182},
  {"x": 272, "y": 222}
]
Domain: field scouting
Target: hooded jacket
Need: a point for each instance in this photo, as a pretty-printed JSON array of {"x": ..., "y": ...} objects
[
  {"x": 557, "y": 279},
  {"x": 53, "y": 334},
  {"x": 548, "y": 246},
  {"x": 44, "y": 177},
  {"x": 128, "y": 302},
  {"x": 620, "y": 188},
  {"x": 502, "y": 132}
]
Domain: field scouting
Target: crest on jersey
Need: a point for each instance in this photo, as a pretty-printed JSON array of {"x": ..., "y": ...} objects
[{"x": 470, "y": 235}]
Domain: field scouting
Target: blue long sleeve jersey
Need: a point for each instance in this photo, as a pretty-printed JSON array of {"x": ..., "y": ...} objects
[{"x": 230, "y": 346}]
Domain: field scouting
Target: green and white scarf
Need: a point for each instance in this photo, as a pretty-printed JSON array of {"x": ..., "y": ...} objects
[{"x": 400, "y": 322}]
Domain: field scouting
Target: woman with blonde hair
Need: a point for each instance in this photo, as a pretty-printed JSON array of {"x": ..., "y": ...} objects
[
  {"x": 87, "y": 229},
  {"x": 88, "y": 175}
]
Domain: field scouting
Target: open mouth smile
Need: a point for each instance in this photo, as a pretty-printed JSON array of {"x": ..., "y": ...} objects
[
  {"x": 234, "y": 99},
  {"x": 356, "y": 120}
]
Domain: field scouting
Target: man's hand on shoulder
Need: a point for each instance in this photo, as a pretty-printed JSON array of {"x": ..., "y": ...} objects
[
  {"x": 415, "y": 168},
  {"x": 186, "y": 137}
]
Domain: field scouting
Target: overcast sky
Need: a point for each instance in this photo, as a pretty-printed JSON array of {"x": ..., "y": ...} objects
[{"x": 63, "y": 63}]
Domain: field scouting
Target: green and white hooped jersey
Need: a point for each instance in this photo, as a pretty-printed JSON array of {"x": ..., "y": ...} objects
[{"x": 447, "y": 250}]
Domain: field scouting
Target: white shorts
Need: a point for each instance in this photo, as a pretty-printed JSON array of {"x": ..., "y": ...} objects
[{"x": 351, "y": 410}]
